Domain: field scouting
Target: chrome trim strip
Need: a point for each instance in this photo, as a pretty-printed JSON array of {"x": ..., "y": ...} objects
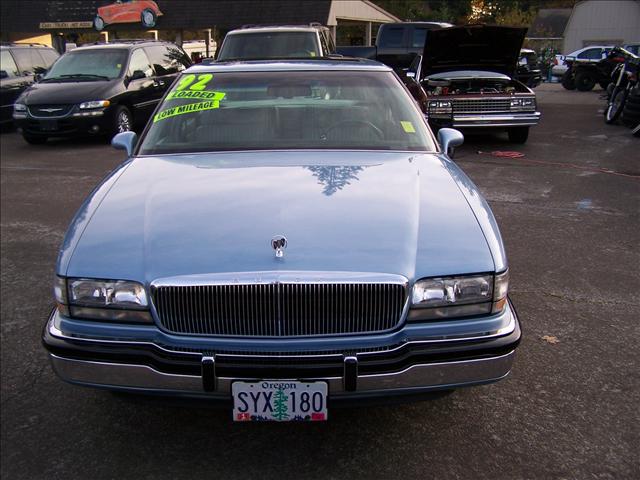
[
  {"x": 276, "y": 277},
  {"x": 52, "y": 117},
  {"x": 528, "y": 119},
  {"x": 509, "y": 328},
  {"x": 142, "y": 377}
]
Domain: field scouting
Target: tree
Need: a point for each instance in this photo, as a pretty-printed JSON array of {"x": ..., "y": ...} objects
[{"x": 281, "y": 408}]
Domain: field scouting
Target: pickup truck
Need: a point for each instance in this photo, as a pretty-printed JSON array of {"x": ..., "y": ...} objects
[{"x": 397, "y": 44}]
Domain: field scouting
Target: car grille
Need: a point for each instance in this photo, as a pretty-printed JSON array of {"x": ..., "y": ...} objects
[
  {"x": 49, "y": 111},
  {"x": 482, "y": 105},
  {"x": 279, "y": 309}
]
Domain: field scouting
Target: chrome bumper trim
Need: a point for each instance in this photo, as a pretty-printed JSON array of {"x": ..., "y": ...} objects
[
  {"x": 420, "y": 376},
  {"x": 54, "y": 329},
  {"x": 510, "y": 120}
]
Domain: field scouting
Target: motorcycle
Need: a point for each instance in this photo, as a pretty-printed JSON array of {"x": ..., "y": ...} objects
[{"x": 623, "y": 79}]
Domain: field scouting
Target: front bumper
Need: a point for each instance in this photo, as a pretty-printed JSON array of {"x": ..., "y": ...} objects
[
  {"x": 415, "y": 365},
  {"x": 490, "y": 120},
  {"x": 66, "y": 126}
]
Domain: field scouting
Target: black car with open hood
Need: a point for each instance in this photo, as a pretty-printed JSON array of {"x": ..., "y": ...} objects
[
  {"x": 473, "y": 47},
  {"x": 465, "y": 79}
]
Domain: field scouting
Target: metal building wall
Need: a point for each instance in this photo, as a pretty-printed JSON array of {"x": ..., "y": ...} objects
[{"x": 602, "y": 22}]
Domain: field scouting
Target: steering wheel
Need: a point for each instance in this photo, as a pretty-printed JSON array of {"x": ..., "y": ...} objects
[{"x": 363, "y": 123}]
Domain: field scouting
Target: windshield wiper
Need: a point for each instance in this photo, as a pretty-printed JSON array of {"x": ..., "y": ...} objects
[{"x": 76, "y": 75}]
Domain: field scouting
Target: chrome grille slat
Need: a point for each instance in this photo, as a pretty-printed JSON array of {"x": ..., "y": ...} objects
[
  {"x": 482, "y": 105},
  {"x": 57, "y": 111},
  {"x": 280, "y": 309}
]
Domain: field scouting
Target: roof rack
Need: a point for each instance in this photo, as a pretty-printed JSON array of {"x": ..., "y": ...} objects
[
  {"x": 127, "y": 40},
  {"x": 20, "y": 44}
]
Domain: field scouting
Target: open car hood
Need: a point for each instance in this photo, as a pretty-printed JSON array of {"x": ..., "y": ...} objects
[{"x": 472, "y": 47}]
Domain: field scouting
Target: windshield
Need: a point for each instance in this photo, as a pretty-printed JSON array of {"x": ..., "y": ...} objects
[
  {"x": 264, "y": 45},
  {"x": 89, "y": 65},
  {"x": 286, "y": 110}
]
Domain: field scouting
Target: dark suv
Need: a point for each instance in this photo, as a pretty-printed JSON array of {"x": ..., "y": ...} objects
[
  {"x": 102, "y": 89},
  {"x": 19, "y": 64}
]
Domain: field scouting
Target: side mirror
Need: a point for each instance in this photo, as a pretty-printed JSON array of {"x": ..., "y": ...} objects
[
  {"x": 137, "y": 75},
  {"x": 37, "y": 77},
  {"x": 3, "y": 74},
  {"x": 449, "y": 139},
  {"x": 125, "y": 141}
]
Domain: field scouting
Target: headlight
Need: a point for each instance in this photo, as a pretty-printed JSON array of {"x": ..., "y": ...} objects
[
  {"x": 443, "y": 108},
  {"x": 523, "y": 104},
  {"x": 115, "y": 300},
  {"x": 19, "y": 110},
  {"x": 95, "y": 104},
  {"x": 461, "y": 296}
]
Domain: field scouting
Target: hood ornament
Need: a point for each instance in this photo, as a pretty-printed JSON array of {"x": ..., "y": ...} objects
[{"x": 279, "y": 243}]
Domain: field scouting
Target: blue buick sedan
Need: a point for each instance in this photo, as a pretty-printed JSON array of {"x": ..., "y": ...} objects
[{"x": 284, "y": 236}]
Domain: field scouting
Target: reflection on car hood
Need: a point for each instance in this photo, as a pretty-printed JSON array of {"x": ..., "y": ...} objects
[
  {"x": 472, "y": 47},
  {"x": 385, "y": 212},
  {"x": 68, "y": 92}
]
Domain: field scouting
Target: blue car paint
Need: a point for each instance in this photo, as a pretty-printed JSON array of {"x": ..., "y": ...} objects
[{"x": 402, "y": 213}]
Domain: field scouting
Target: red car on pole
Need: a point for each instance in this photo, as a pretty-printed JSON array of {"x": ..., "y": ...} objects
[{"x": 128, "y": 11}]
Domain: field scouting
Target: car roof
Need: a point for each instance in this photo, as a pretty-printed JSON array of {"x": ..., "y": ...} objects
[
  {"x": 419, "y": 24},
  {"x": 277, "y": 28},
  {"x": 343, "y": 64}
]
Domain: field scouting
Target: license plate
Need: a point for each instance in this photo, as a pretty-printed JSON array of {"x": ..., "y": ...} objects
[
  {"x": 279, "y": 401},
  {"x": 49, "y": 125}
]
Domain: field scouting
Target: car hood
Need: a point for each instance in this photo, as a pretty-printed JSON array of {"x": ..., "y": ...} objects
[
  {"x": 472, "y": 47},
  {"x": 158, "y": 217},
  {"x": 68, "y": 92}
]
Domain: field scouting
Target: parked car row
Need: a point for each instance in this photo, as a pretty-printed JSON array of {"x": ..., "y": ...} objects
[
  {"x": 285, "y": 235},
  {"x": 462, "y": 77},
  {"x": 101, "y": 89}
]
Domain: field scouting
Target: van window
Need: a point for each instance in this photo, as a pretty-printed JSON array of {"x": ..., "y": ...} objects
[
  {"x": 166, "y": 59},
  {"x": 49, "y": 56},
  {"x": 419, "y": 37},
  {"x": 7, "y": 64},
  {"x": 140, "y": 61},
  {"x": 392, "y": 37},
  {"x": 97, "y": 62},
  {"x": 28, "y": 59}
]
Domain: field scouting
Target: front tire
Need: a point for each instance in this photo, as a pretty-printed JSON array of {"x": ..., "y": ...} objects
[
  {"x": 148, "y": 18},
  {"x": 568, "y": 81},
  {"x": 518, "y": 134},
  {"x": 33, "y": 140},
  {"x": 585, "y": 82},
  {"x": 616, "y": 105},
  {"x": 123, "y": 120},
  {"x": 98, "y": 23}
]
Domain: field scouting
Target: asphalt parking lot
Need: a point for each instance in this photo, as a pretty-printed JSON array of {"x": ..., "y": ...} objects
[{"x": 569, "y": 211}]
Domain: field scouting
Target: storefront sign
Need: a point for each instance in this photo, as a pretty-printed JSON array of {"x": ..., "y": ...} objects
[{"x": 57, "y": 25}]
